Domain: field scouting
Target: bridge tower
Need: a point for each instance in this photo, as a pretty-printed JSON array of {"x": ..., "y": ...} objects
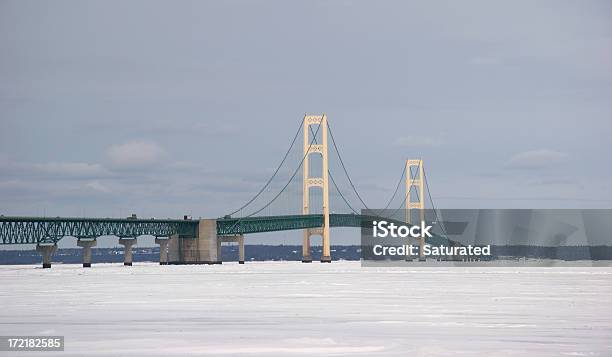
[
  {"x": 323, "y": 182},
  {"x": 416, "y": 201}
]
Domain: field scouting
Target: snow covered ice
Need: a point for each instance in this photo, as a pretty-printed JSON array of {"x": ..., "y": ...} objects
[{"x": 289, "y": 308}]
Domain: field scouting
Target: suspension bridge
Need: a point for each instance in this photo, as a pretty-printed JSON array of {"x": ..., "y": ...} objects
[{"x": 302, "y": 193}]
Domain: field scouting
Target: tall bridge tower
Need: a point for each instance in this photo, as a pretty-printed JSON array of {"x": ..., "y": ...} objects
[
  {"x": 323, "y": 182},
  {"x": 415, "y": 201}
]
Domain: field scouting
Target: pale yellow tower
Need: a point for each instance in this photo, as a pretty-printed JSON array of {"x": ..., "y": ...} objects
[
  {"x": 415, "y": 180},
  {"x": 322, "y": 182}
]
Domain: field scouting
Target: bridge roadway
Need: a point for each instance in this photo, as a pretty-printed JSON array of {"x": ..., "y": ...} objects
[{"x": 45, "y": 230}]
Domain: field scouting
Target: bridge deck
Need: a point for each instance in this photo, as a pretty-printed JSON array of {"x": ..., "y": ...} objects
[{"x": 33, "y": 230}]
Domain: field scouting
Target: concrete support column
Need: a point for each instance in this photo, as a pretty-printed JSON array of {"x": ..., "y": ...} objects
[
  {"x": 127, "y": 243},
  {"x": 421, "y": 247},
  {"x": 87, "y": 244},
  {"x": 219, "y": 247},
  {"x": 174, "y": 256},
  {"x": 163, "y": 250},
  {"x": 232, "y": 239},
  {"x": 306, "y": 257},
  {"x": 241, "y": 249},
  {"x": 46, "y": 251},
  {"x": 326, "y": 250}
]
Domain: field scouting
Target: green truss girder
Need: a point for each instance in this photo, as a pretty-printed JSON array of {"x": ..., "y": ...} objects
[
  {"x": 233, "y": 226},
  {"x": 36, "y": 230},
  {"x": 33, "y": 230}
]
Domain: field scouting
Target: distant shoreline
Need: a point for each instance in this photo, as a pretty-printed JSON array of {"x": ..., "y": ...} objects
[{"x": 294, "y": 253}]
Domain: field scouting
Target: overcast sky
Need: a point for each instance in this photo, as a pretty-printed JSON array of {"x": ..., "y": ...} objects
[{"x": 165, "y": 108}]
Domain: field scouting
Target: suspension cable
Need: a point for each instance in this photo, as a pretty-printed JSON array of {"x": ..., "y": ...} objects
[
  {"x": 275, "y": 171},
  {"x": 344, "y": 167},
  {"x": 433, "y": 206},
  {"x": 399, "y": 182},
  {"x": 340, "y": 192},
  {"x": 412, "y": 178},
  {"x": 333, "y": 181},
  {"x": 332, "y": 178},
  {"x": 289, "y": 181},
  {"x": 396, "y": 188},
  {"x": 284, "y": 187}
]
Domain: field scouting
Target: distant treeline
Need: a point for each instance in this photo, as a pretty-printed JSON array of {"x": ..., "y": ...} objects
[
  {"x": 229, "y": 253},
  {"x": 294, "y": 253},
  {"x": 601, "y": 252}
]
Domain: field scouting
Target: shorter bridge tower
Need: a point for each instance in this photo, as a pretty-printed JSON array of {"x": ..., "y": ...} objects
[
  {"x": 414, "y": 178},
  {"x": 323, "y": 182}
]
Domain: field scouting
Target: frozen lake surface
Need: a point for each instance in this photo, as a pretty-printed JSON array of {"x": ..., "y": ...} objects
[{"x": 289, "y": 308}]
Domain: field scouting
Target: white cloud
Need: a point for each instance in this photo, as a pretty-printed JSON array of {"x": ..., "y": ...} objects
[
  {"x": 135, "y": 154},
  {"x": 68, "y": 170},
  {"x": 97, "y": 186},
  {"x": 537, "y": 159}
]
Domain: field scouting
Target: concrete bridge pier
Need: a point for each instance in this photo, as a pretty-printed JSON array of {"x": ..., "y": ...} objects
[
  {"x": 209, "y": 244},
  {"x": 306, "y": 257},
  {"x": 127, "y": 243},
  {"x": 204, "y": 248},
  {"x": 163, "y": 250},
  {"x": 174, "y": 256},
  {"x": 87, "y": 244},
  {"x": 241, "y": 250},
  {"x": 46, "y": 250}
]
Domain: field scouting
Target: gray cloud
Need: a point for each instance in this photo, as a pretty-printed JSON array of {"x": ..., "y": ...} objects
[
  {"x": 538, "y": 159},
  {"x": 53, "y": 170}
]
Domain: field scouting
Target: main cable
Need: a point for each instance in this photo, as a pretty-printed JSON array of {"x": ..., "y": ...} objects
[
  {"x": 332, "y": 177},
  {"x": 396, "y": 189},
  {"x": 408, "y": 173},
  {"x": 340, "y": 192},
  {"x": 433, "y": 206},
  {"x": 344, "y": 167},
  {"x": 275, "y": 171},
  {"x": 288, "y": 182}
]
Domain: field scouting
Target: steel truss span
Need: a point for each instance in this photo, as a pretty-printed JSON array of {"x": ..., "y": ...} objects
[
  {"x": 36, "y": 230},
  {"x": 236, "y": 226},
  {"x": 47, "y": 230},
  {"x": 231, "y": 226}
]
